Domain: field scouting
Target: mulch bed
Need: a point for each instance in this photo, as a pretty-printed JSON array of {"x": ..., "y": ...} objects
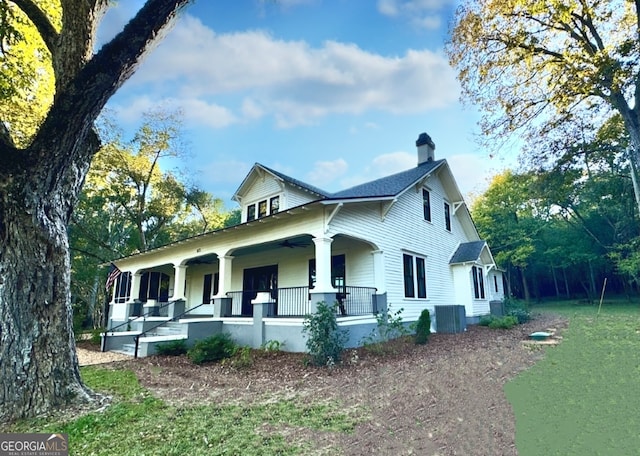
[{"x": 442, "y": 398}]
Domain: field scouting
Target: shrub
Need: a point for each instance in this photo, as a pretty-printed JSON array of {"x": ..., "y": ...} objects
[
  {"x": 506, "y": 322},
  {"x": 241, "y": 359},
  {"x": 325, "y": 341},
  {"x": 388, "y": 326},
  {"x": 213, "y": 348},
  {"x": 173, "y": 348},
  {"x": 272, "y": 345},
  {"x": 486, "y": 320},
  {"x": 423, "y": 328},
  {"x": 517, "y": 309}
]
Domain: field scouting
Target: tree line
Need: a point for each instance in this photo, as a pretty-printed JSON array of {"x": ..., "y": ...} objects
[
  {"x": 558, "y": 231},
  {"x": 130, "y": 204}
]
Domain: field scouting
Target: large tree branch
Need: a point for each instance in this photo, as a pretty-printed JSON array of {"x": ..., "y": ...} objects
[
  {"x": 41, "y": 21},
  {"x": 79, "y": 102}
]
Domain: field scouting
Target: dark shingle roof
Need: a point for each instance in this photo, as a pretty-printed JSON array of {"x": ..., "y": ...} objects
[
  {"x": 390, "y": 185},
  {"x": 469, "y": 251},
  {"x": 383, "y": 187},
  {"x": 296, "y": 182}
]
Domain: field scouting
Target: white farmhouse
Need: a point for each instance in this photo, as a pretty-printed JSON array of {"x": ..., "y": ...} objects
[{"x": 404, "y": 241}]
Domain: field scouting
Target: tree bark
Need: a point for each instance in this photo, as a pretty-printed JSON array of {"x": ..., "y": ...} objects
[
  {"x": 39, "y": 368},
  {"x": 39, "y": 187}
]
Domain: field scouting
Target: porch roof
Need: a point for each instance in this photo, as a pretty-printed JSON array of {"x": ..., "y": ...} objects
[{"x": 468, "y": 252}]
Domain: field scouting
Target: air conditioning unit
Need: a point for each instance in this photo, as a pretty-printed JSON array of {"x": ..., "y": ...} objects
[
  {"x": 496, "y": 308},
  {"x": 450, "y": 319}
]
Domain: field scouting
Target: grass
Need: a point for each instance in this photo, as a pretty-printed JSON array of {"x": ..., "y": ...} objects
[
  {"x": 139, "y": 424},
  {"x": 582, "y": 398}
]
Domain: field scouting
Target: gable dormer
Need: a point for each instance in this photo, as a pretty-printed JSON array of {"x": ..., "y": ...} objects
[{"x": 265, "y": 192}]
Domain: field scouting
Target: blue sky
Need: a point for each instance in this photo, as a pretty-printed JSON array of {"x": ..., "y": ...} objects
[{"x": 331, "y": 92}]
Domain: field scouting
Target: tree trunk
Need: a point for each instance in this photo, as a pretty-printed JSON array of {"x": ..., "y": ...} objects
[
  {"x": 555, "y": 282},
  {"x": 37, "y": 346},
  {"x": 525, "y": 286}
]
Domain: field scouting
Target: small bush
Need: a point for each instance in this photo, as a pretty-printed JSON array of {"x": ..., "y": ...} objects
[
  {"x": 486, "y": 320},
  {"x": 241, "y": 359},
  {"x": 96, "y": 336},
  {"x": 325, "y": 341},
  {"x": 521, "y": 315},
  {"x": 272, "y": 346},
  {"x": 506, "y": 322},
  {"x": 173, "y": 348},
  {"x": 517, "y": 309},
  {"x": 423, "y": 328},
  {"x": 213, "y": 348}
]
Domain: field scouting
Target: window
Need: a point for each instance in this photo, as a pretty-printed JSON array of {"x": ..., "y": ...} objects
[
  {"x": 447, "y": 216},
  {"x": 274, "y": 205},
  {"x": 426, "y": 204},
  {"x": 338, "y": 272},
  {"x": 415, "y": 276},
  {"x": 210, "y": 284},
  {"x": 251, "y": 212},
  {"x": 262, "y": 209},
  {"x": 154, "y": 285},
  {"x": 495, "y": 283},
  {"x": 123, "y": 287},
  {"x": 478, "y": 282}
]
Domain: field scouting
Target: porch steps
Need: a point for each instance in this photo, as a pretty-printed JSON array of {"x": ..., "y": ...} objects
[{"x": 170, "y": 328}]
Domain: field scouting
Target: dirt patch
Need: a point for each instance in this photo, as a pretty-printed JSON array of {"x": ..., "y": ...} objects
[{"x": 443, "y": 398}]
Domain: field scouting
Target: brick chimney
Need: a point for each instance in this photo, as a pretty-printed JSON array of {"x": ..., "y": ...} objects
[{"x": 426, "y": 149}]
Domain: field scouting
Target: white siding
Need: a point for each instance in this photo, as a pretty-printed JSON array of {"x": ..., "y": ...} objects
[
  {"x": 405, "y": 230},
  {"x": 296, "y": 197}
]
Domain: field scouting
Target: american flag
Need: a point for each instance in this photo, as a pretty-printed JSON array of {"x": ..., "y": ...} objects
[{"x": 114, "y": 273}]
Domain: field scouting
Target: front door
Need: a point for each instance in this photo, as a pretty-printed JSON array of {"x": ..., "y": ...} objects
[{"x": 256, "y": 280}]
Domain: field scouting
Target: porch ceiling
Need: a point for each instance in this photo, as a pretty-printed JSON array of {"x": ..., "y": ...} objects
[{"x": 296, "y": 243}]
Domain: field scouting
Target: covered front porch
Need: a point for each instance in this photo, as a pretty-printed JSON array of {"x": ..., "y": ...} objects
[{"x": 257, "y": 293}]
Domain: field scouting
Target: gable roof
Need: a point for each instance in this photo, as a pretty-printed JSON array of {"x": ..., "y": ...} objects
[
  {"x": 468, "y": 252},
  {"x": 296, "y": 182},
  {"x": 389, "y": 185},
  {"x": 258, "y": 167}
]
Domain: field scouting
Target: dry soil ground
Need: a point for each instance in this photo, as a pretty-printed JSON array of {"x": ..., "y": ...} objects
[{"x": 443, "y": 398}]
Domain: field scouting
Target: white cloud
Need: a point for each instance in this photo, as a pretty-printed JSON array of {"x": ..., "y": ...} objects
[
  {"x": 388, "y": 7},
  {"x": 423, "y": 14},
  {"x": 471, "y": 172},
  {"x": 381, "y": 166},
  {"x": 294, "y": 82},
  {"x": 194, "y": 111},
  {"x": 325, "y": 172}
]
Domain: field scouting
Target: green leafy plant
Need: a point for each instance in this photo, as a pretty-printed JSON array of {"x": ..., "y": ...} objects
[
  {"x": 518, "y": 309},
  {"x": 388, "y": 326},
  {"x": 272, "y": 346},
  {"x": 325, "y": 341},
  {"x": 506, "y": 322},
  {"x": 96, "y": 336},
  {"x": 213, "y": 348},
  {"x": 241, "y": 359},
  {"x": 173, "y": 348},
  {"x": 423, "y": 327}
]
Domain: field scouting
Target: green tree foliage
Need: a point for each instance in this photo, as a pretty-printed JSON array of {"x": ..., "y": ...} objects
[
  {"x": 544, "y": 67},
  {"x": 130, "y": 204}
]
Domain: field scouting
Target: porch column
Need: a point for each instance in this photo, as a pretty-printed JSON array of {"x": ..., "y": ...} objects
[
  {"x": 378, "y": 271},
  {"x": 323, "y": 266},
  {"x": 323, "y": 290},
  {"x": 224, "y": 276},
  {"x": 135, "y": 286},
  {"x": 178, "y": 282},
  {"x": 221, "y": 303}
]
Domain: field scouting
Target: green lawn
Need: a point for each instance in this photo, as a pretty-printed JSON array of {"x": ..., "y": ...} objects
[
  {"x": 583, "y": 398},
  {"x": 138, "y": 424}
]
